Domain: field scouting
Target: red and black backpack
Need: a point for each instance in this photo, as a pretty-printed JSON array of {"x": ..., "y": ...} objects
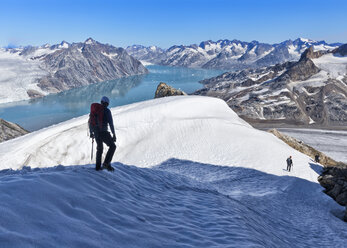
[{"x": 96, "y": 117}]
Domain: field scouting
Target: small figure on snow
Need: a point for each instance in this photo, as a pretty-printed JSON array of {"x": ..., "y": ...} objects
[
  {"x": 99, "y": 119},
  {"x": 316, "y": 158},
  {"x": 289, "y": 163}
]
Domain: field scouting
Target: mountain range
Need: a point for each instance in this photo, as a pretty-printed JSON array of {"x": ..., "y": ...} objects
[
  {"x": 227, "y": 54},
  {"x": 31, "y": 72},
  {"x": 311, "y": 91}
]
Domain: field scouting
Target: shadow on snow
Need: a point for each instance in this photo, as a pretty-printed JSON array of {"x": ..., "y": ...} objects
[{"x": 178, "y": 203}]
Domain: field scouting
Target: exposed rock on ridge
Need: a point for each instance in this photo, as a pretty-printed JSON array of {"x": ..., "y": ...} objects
[
  {"x": 312, "y": 91},
  {"x": 86, "y": 63},
  {"x": 334, "y": 175},
  {"x": 164, "y": 90},
  {"x": 306, "y": 149},
  {"x": 334, "y": 180},
  {"x": 10, "y": 130}
]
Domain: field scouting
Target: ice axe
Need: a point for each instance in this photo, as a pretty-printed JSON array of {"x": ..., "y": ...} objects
[{"x": 91, "y": 155}]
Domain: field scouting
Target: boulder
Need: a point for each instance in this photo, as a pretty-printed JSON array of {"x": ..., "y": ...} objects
[{"x": 164, "y": 90}]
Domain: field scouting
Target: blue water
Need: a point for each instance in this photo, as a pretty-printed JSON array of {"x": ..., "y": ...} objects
[{"x": 52, "y": 109}]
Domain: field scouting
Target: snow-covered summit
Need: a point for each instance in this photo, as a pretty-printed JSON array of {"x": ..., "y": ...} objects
[
  {"x": 195, "y": 128},
  {"x": 188, "y": 172}
]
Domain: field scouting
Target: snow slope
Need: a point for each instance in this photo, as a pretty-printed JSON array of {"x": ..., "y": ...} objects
[{"x": 201, "y": 177}]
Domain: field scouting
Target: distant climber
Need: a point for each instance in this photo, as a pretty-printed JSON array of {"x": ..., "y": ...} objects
[
  {"x": 316, "y": 158},
  {"x": 99, "y": 119},
  {"x": 289, "y": 163}
]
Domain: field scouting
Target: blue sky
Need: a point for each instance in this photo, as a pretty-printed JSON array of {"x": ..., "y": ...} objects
[{"x": 170, "y": 22}]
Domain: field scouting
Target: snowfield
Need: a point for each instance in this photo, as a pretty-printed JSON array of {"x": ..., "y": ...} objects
[{"x": 188, "y": 173}]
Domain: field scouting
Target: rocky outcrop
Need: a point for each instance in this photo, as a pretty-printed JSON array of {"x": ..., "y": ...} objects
[
  {"x": 334, "y": 175},
  {"x": 10, "y": 130},
  {"x": 164, "y": 90},
  {"x": 302, "y": 70},
  {"x": 34, "y": 94},
  {"x": 334, "y": 180},
  {"x": 306, "y": 149},
  {"x": 309, "y": 92}
]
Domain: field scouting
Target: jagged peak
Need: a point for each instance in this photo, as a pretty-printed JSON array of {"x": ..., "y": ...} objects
[
  {"x": 90, "y": 41},
  {"x": 64, "y": 44},
  {"x": 305, "y": 40}
]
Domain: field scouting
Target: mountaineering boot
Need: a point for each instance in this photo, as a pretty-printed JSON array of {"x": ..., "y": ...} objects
[
  {"x": 98, "y": 168},
  {"x": 107, "y": 166}
]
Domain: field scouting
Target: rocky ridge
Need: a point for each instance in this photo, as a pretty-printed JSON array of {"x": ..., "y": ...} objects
[
  {"x": 306, "y": 149},
  {"x": 334, "y": 175},
  {"x": 334, "y": 180},
  {"x": 227, "y": 54},
  {"x": 65, "y": 66},
  {"x": 10, "y": 130},
  {"x": 311, "y": 91}
]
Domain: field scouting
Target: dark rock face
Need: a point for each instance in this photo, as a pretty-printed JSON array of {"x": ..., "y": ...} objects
[
  {"x": 164, "y": 90},
  {"x": 86, "y": 63},
  {"x": 292, "y": 93},
  {"x": 342, "y": 50},
  {"x": 228, "y": 54},
  {"x": 334, "y": 180},
  {"x": 9, "y": 130}
]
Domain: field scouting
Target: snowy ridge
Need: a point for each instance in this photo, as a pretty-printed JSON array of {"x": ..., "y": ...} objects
[
  {"x": 201, "y": 123},
  {"x": 176, "y": 194}
]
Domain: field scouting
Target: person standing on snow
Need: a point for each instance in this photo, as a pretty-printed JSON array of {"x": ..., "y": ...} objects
[
  {"x": 289, "y": 163},
  {"x": 101, "y": 135}
]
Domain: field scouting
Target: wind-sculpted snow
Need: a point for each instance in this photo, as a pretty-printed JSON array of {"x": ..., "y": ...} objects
[
  {"x": 188, "y": 173},
  {"x": 201, "y": 129},
  {"x": 176, "y": 204}
]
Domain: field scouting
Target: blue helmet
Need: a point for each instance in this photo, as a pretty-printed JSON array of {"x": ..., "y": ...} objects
[{"x": 105, "y": 99}]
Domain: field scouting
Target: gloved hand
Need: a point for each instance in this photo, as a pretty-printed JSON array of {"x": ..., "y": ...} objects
[
  {"x": 92, "y": 135},
  {"x": 114, "y": 138}
]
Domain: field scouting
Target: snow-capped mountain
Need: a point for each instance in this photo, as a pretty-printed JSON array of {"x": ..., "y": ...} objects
[
  {"x": 36, "y": 71},
  {"x": 188, "y": 172},
  {"x": 151, "y": 54},
  {"x": 310, "y": 91},
  {"x": 228, "y": 54}
]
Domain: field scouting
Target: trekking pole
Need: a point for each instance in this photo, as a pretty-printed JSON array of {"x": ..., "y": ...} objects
[{"x": 91, "y": 156}]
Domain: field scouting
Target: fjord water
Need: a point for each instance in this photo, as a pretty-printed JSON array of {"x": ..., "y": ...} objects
[{"x": 38, "y": 113}]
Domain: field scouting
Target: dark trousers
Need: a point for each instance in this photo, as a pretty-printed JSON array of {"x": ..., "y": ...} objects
[
  {"x": 288, "y": 167},
  {"x": 100, "y": 138}
]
